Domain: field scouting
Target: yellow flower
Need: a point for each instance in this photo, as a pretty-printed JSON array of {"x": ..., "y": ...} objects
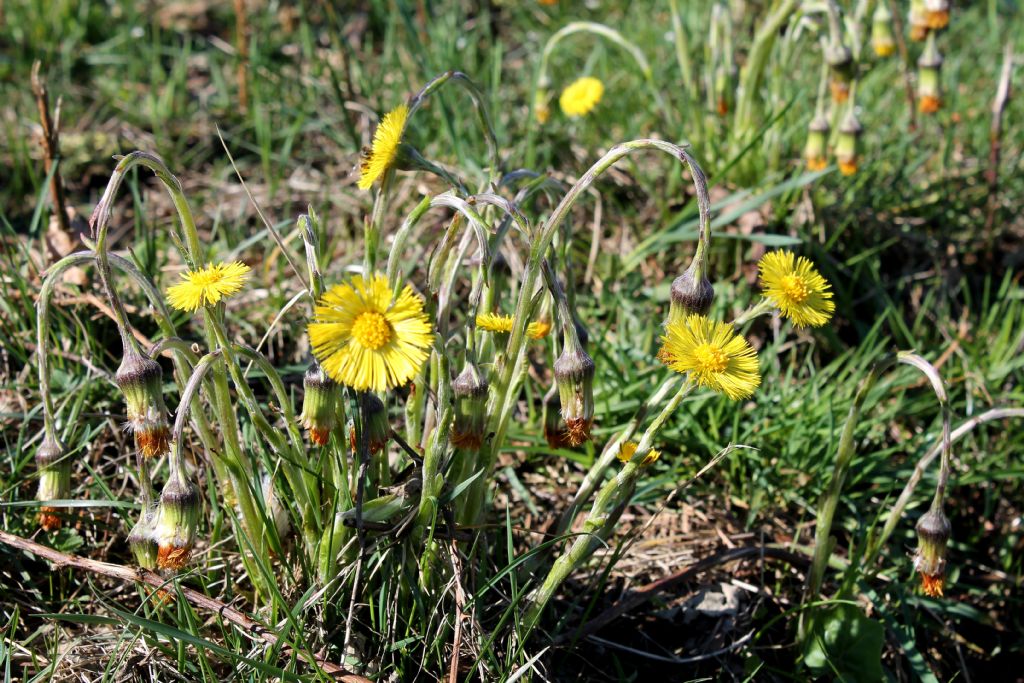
[
  {"x": 628, "y": 449},
  {"x": 581, "y": 96},
  {"x": 714, "y": 355},
  {"x": 368, "y": 340},
  {"x": 207, "y": 286},
  {"x": 502, "y": 324},
  {"x": 386, "y": 140},
  {"x": 796, "y": 288}
]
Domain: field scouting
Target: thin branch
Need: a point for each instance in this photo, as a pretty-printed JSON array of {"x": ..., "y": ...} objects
[
  {"x": 51, "y": 146},
  {"x": 123, "y": 573}
]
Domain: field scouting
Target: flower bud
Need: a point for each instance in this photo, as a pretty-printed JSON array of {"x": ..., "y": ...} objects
[
  {"x": 376, "y": 425},
  {"x": 142, "y": 540},
  {"x": 933, "y": 532},
  {"x": 141, "y": 381},
  {"x": 929, "y": 81},
  {"x": 319, "y": 404},
  {"x": 936, "y": 14},
  {"x": 470, "y": 390},
  {"x": 840, "y": 62},
  {"x": 918, "y": 20},
  {"x": 54, "y": 479},
  {"x": 847, "y": 143},
  {"x": 541, "y": 108},
  {"x": 817, "y": 141},
  {"x": 883, "y": 42},
  {"x": 177, "y": 521},
  {"x": 689, "y": 294},
  {"x": 574, "y": 377}
]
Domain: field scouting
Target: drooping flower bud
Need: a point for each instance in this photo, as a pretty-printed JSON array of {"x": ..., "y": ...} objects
[
  {"x": 141, "y": 381},
  {"x": 847, "y": 144},
  {"x": 319, "y": 404},
  {"x": 54, "y": 469},
  {"x": 574, "y": 376},
  {"x": 142, "y": 540},
  {"x": 918, "y": 19},
  {"x": 177, "y": 521},
  {"x": 470, "y": 391},
  {"x": 933, "y": 532},
  {"x": 377, "y": 426},
  {"x": 841, "y": 66},
  {"x": 815, "y": 152},
  {"x": 541, "y": 106},
  {"x": 936, "y": 14},
  {"x": 883, "y": 42},
  {"x": 929, "y": 78},
  {"x": 690, "y": 293}
]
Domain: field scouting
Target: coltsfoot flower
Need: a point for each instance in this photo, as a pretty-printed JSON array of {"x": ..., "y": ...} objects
[
  {"x": 367, "y": 339},
  {"x": 847, "y": 144},
  {"x": 387, "y": 139},
  {"x": 141, "y": 381},
  {"x": 207, "y": 286},
  {"x": 933, "y": 532},
  {"x": 796, "y": 288},
  {"x": 628, "y": 449},
  {"x": 929, "y": 78},
  {"x": 713, "y": 354},
  {"x": 502, "y": 324},
  {"x": 883, "y": 42},
  {"x": 581, "y": 96}
]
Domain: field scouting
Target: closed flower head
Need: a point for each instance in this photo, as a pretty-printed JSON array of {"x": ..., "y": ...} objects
[
  {"x": 817, "y": 139},
  {"x": 141, "y": 381},
  {"x": 470, "y": 391},
  {"x": 574, "y": 376},
  {"x": 933, "y": 532},
  {"x": 377, "y": 429},
  {"x": 847, "y": 144},
  {"x": 796, "y": 288},
  {"x": 386, "y": 141},
  {"x": 690, "y": 294},
  {"x": 207, "y": 286},
  {"x": 883, "y": 42},
  {"x": 54, "y": 469},
  {"x": 580, "y": 98},
  {"x": 712, "y": 354},
  {"x": 177, "y": 521},
  {"x": 367, "y": 339},
  {"x": 142, "y": 540},
  {"x": 319, "y": 404}
]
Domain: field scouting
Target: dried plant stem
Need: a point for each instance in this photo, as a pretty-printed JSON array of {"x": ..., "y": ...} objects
[
  {"x": 51, "y": 148},
  {"x": 123, "y": 573}
]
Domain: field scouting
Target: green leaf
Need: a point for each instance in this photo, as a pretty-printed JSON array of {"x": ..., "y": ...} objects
[{"x": 845, "y": 643}]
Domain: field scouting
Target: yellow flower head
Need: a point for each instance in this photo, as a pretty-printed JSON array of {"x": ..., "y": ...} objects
[
  {"x": 581, "y": 96},
  {"x": 502, "y": 324},
  {"x": 714, "y": 355},
  {"x": 798, "y": 290},
  {"x": 386, "y": 140},
  {"x": 628, "y": 449},
  {"x": 207, "y": 286},
  {"x": 368, "y": 340}
]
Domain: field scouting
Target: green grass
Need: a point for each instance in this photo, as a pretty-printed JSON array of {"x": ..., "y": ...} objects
[{"x": 903, "y": 243}]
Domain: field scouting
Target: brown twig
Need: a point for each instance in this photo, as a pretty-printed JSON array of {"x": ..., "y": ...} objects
[
  {"x": 901, "y": 45},
  {"x": 51, "y": 145},
  {"x": 996, "y": 142},
  {"x": 117, "y": 571},
  {"x": 641, "y": 595}
]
